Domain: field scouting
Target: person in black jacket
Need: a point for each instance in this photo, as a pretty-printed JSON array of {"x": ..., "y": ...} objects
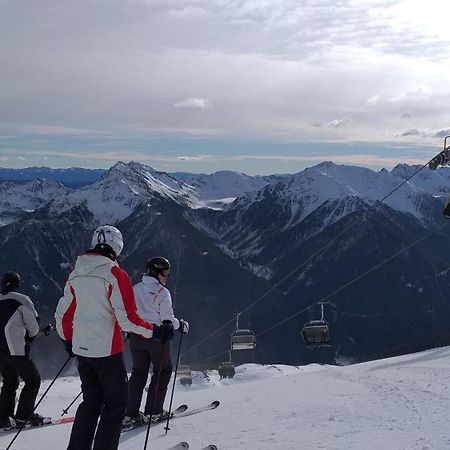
[{"x": 18, "y": 326}]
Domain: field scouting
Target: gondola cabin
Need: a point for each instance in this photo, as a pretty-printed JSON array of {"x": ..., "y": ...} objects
[
  {"x": 226, "y": 370},
  {"x": 184, "y": 374},
  {"x": 243, "y": 340},
  {"x": 316, "y": 333}
]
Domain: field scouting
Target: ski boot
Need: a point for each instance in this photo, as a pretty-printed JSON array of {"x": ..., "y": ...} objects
[
  {"x": 35, "y": 420},
  {"x": 134, "y": 421},
  {"x": 7, "y": 424},
  {"x": 160, "y": 416}
]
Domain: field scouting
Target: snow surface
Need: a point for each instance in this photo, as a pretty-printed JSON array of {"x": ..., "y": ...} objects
[
  {"x": 225, "y": 184},
  {"x": 399, "y": 403}
]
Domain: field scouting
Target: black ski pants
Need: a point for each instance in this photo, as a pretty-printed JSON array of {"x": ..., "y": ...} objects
[
  {"x": 143, "y": 352},
  {"x": 104, "y": 387},
  {"x": 11, "y": 368}
]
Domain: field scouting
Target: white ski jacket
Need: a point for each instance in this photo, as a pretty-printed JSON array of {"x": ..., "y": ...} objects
[
  {"x": 98, "y": 303},
  {"x": 154, "y": 302},
  {"x": 17, "y": 317}
]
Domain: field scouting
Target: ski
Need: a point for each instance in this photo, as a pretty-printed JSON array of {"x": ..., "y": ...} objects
[
  {"x": 212, "y": 405},
  {"x": 210, "y": 447},
  {"x": 181, "y": 409},
  {"x": 179, "y": 446},
  {"x": 49, "y": 422}
]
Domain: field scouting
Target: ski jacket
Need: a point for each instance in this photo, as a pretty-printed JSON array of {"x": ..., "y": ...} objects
[
  {"x": 17, "y": 318},
  {"x": 98, "y": 303},
  {"x": 154, "y": 302}
]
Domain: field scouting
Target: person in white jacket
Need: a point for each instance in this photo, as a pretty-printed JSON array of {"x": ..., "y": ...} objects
[
  {"x": 18, "y": 327},
  {"x": 98, "y": 303},
  {"x": 154, "y": 304}
]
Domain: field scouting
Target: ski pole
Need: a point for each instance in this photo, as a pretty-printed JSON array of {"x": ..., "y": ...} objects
[
  {"x": 156, "y": 392},
  {"x": 65, "y": 411},
  {"x": 174, "y": 381},
  {"x": 40, "y": 400}
]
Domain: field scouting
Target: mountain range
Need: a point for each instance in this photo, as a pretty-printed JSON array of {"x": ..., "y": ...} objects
[{"x": 271, "y": 247}]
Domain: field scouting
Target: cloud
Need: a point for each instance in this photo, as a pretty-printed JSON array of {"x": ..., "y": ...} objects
[
  {"x": 193, "y": 103},
  {"x": 420, "y": 94},
  {"x": 434, "y": 134},
  {"x": 340, "y": 123},
  {"x": 441, "y": 133},
  {"x": 191, "y": 158},
  {"x": 264, "y": 71},
  {"x": 412, "y": 132}
]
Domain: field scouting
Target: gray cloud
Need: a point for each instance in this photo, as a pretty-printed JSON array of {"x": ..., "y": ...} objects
[
  {"x": 412, "y": 132},
  {"x": 441, "y": 133}
]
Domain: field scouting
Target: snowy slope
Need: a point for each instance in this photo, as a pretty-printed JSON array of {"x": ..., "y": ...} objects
[
  {"x": 300, "y": 194},
  {"x": 17, "y": 198},
  {"x": 116, "y": 194},
  {"x": 122, "y": 188},
  {"x": 399, "y": 403},
  {"x": 221, "y": 188},
  {"x": 435, "y": 182}
]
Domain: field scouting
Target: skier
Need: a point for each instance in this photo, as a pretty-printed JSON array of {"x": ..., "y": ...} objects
[
  {"x": 154, "y": 304},
  {"x": 18, "y": 326},
  {"x": 98, "y": 303}
]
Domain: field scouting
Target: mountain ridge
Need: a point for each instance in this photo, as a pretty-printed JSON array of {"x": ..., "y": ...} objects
[{"x": 301, "y": 238}]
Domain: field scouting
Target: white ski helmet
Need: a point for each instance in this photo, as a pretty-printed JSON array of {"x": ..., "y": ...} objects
[{"x": 110, "y": 235}]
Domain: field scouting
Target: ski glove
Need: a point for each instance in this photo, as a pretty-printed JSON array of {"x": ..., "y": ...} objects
[
  {"x": 28, "y": 338},
  {"x": 47, "y": 330},
  {"x": 184, "y": 327},
  {"x": 68, "y": 346},
  {"x": 164, "y": 332}
]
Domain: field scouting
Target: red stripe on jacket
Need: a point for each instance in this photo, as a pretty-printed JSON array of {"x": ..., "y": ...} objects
[
  {"x": 127, "y": 293},
  {"x": 67, "y": 319},
  {"x": 117, "y": 340}
]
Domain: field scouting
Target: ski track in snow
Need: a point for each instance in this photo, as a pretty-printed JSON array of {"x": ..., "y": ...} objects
[{"x": 398, "y": 403}]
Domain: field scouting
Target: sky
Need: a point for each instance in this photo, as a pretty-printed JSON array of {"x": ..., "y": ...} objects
[{"x": 255, "y": 86}]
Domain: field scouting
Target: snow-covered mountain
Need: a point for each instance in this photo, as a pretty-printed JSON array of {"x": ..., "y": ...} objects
[
  {"x": 313, "y": 200},
  {"x": 436, "y": 182},
  {"x": 17, "y": 199},
  {"x": 304, "y": 192},
  {"x": 221, "y": 188},
  {"x": 304, "y": 236},
  {"x": 119, "y": 190},
  {"x": 396, "y": 404},
  {"x": 122, "y": 188}
]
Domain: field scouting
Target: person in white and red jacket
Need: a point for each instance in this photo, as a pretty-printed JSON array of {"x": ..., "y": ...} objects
[{"x": 98, "y": 303}]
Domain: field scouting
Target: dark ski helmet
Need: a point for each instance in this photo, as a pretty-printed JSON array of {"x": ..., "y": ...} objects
[
  {"x": 10, "y": 282},
  {"x": 158, "y": 265}
]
